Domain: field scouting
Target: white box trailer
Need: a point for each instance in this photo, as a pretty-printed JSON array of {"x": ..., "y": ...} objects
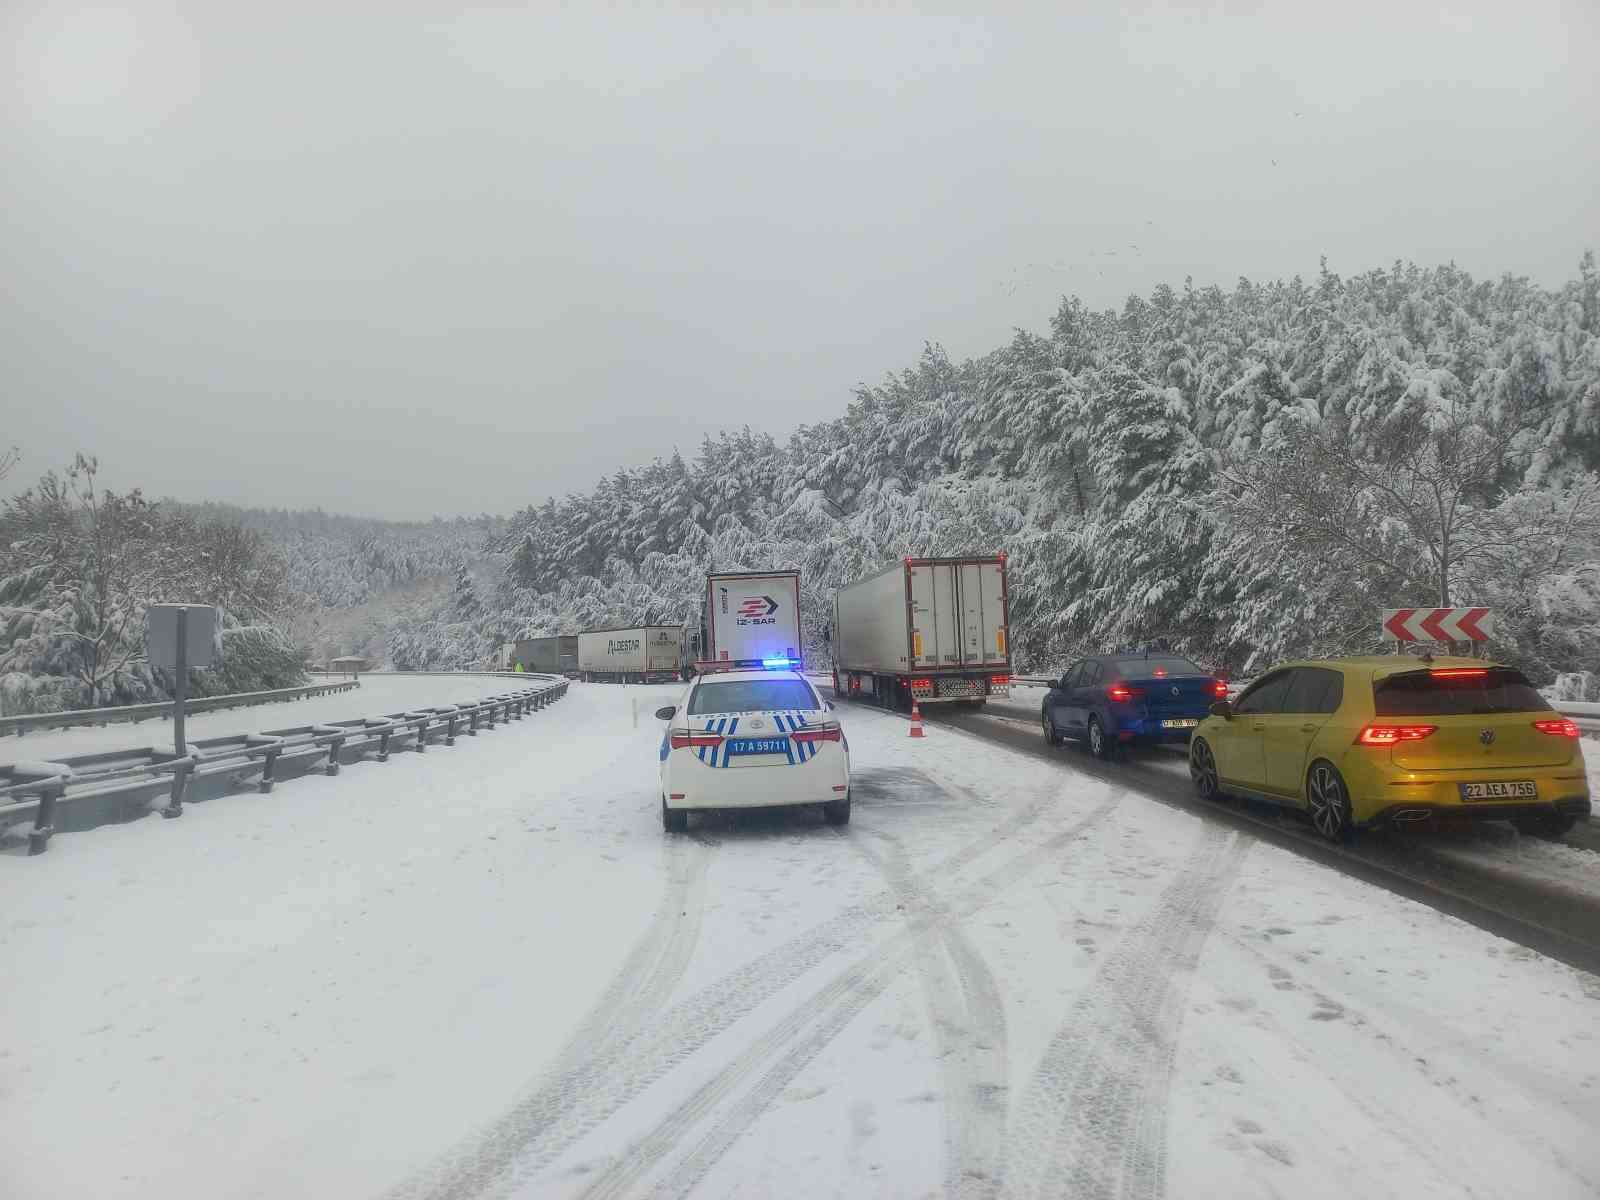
[
  {"x": 752, "y": 617},
  {"x": 631, "y": 654},
  {"x": 933, "y": 629}
]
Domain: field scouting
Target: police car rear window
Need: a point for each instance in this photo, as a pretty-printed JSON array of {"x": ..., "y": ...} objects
[
  {"x": 752, "y": 695},
  {"x": 1455, "y": 692}
]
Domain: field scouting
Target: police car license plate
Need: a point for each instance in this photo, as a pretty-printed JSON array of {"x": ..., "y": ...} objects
[
  {"x": 1180, "y": 723},
  {"x": 758, "y": 746},
  {"x": 1518, "y": 789}
]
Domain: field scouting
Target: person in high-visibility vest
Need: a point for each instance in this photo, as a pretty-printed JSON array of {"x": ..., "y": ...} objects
[{"x": 517, "y": 667}]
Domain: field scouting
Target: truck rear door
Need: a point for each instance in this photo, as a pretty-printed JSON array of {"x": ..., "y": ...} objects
[
  {"x": 983, "y": 631},
  {"x": 935, "y": 627}
]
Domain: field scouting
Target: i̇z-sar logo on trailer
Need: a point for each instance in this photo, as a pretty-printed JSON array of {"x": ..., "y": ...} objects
[
  {"x": 621, "y": 645},
  {"x": 757, "y": 610}
]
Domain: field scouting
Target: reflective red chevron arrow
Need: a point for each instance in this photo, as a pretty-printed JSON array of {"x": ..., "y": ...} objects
[
  {"x": 1438, "y": 624},
  {"x": 1469, "y": 625},
  {"x": 1432, "y": 626},
  {"x": 1395, "y": 626}
]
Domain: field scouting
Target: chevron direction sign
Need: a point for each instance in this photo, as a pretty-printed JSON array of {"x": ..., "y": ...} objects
[{"x": 1438, "y": 624}]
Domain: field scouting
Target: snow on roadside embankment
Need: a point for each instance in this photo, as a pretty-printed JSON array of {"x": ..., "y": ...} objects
[
  {"x": 378, "y": 694},
  {"x": 287, "y": 994},
  {"x": 1591, "y": 759},
  {"x": 487, "y": 965}
]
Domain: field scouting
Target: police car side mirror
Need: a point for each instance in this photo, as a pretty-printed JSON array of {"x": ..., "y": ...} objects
[
  {"x": 667, "y": 712},
  {"x": 831, "y": 705}
]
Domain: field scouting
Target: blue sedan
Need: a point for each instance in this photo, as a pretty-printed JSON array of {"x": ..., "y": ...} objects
[{"x": 1115, "y": 700}]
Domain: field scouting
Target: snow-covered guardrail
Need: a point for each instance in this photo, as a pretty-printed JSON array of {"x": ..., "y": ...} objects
[
  {"x": 23, "y": 723},
  {"x": 40, "y": 789}
]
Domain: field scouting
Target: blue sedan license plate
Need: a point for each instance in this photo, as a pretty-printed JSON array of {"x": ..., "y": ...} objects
[
  {"x": 1180, "y": 723},
  {"x": 758, "y": 746}
]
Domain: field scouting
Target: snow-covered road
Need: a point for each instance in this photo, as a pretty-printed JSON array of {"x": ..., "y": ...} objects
[{"x": 486, "y": 971}]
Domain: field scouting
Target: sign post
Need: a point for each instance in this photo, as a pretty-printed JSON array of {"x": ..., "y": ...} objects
[
  {"x": 180, "y": 688},
  {"x": 178, "y": 637}
]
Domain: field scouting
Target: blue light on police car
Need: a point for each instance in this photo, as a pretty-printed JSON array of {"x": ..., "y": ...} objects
[{"x": 770, "y": 663}]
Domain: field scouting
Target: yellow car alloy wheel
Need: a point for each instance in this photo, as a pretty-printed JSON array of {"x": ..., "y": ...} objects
[
  {"x": 1203, "y": 770},
  {"x": 1329, "y": 802}
]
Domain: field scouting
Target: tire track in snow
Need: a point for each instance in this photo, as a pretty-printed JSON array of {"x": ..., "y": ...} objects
[
  {"x": 1093, "y": 1119},
  {"x": 826, "y": 1012},
  {"x": 579, "y": 1092},
  {"x": 639, "y": 988},
  {"x": 969, "y": 1032},
  {"x": 1387, "y": 1020}
]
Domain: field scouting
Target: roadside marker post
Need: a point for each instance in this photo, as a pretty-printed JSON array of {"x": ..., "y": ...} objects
[{"x": 178, "y": 637}]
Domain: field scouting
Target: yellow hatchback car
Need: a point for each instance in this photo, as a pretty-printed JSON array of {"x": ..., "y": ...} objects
[{"x": 1391, "y": 739}]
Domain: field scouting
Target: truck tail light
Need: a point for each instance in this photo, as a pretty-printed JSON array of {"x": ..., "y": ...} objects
[
  {"x": 1122, "y": 693},
  {"x": 1561, "y": 728},
  {"x": 922, "y": 683},
  {"x": 691, "y": 739},
  {"x": 1389, "y": 735},
  {"x": 1000, "y": 680},
  {"x": 828, "y": 731}
]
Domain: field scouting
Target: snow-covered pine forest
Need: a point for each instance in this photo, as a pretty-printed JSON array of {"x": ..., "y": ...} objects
[{"x": 1248, "y": 474}]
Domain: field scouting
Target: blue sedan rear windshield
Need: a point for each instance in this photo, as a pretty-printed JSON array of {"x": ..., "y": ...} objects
[
  {"x": 1154, "y": 668},
  {"x": 752, "y": 695}
]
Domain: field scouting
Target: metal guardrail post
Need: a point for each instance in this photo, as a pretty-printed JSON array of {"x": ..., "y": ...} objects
[
  {"x": 450, "y": 729},
  {"x": 335, "y": 745},
  {"x": 180, "y": 780},
  {"x": 44, "y": 817},
  {"x": 472, "y": 721},
  {"x": 269, "y": 760},
  {"x": 383, "y": 744},
  {"x": 421, "y": 724}
]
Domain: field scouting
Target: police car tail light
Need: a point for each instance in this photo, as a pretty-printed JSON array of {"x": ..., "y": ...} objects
[
  {"x": 1389, "y": 735},
  {"x": 690, "y": 739},
  {"x": 828, "y": 731}
]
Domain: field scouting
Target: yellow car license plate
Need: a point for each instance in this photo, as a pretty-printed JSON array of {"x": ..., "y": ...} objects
[{"x": 1519, "y": 789}]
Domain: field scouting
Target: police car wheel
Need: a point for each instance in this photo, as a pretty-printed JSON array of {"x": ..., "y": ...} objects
[
  {"x": 837, "y": 812},
  {"x": 674, "y": 820}
]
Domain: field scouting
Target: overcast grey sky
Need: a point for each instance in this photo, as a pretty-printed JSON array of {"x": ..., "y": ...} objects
[{"x": 405, "y": 260}]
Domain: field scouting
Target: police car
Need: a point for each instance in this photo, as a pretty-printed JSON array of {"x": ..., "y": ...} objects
[{"x": 752, "y": 738}]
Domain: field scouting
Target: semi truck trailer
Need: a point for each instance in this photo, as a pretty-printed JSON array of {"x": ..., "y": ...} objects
[
  {"x": 930, "y": 629},
  {"x": 556, "y": 655},
  {"x": 631, "y": 654},
  {"x": 752, "y": 618}
]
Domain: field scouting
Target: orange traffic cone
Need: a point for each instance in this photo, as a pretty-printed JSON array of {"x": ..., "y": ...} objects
[{"x": 916, "y": 718}]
